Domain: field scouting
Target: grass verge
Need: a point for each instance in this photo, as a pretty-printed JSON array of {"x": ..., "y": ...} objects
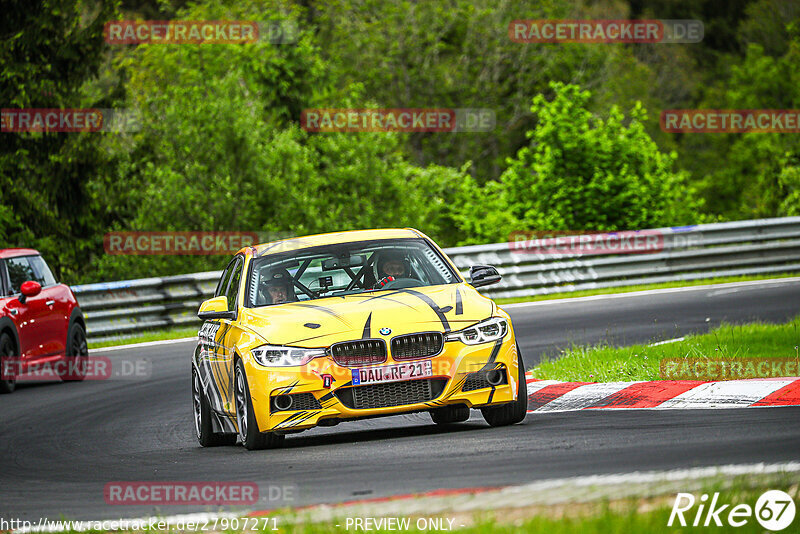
[
  {"x": 644, "y": 362},
  {"x": 149, "y": 335},
  {"x": 648, "y": 512},
  {"x": 644, "y": 287}
]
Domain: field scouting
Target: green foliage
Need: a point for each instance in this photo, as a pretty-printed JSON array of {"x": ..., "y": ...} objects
[
  {"x": 221, "y": 148},
  {"x": 759, "y": 178},
  {"x": 219, "y": 151},
  {"x": 582, "y": 172},
  {"x": 49, "y": 48}
]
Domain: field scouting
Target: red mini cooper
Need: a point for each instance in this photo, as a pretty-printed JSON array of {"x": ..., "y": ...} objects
[{"x": 40, "y": 321}]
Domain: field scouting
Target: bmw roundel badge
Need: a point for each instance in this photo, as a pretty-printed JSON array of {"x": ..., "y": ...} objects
[{"x": 385, "y": 331}]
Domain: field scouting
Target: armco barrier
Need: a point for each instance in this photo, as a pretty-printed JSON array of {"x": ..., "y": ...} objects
[{"x": 722, "y": 249}]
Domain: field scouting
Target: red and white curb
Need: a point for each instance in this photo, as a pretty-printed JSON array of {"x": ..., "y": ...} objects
[{"x": 555, "y": 396}]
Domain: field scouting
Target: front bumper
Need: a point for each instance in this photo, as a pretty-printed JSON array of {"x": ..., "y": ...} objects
[{"x": 454, "y": 381}]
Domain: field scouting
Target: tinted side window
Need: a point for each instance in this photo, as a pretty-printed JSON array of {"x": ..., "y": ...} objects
[
  {"x": 19, "y": 271},
  {"x": 223, "y": 281},
  {"x": 233, "y": 289},
  {"x": 41, "y": 271},
  {"x": 4, "y": 290}
]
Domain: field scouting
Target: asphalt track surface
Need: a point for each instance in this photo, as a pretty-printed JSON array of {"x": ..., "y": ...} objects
[{"x": 62, "y": 443}]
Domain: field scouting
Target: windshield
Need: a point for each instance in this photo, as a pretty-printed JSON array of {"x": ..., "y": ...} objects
[{"x": 345, "y": 269}]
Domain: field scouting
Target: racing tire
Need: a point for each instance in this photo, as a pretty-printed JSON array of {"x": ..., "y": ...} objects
[
  {"x": 7, "y": 362},
  {"x": 513, "y": 412},
  {"x": 251, "y": 438},
  {"x": 450, "y": 414},
  {"x": 77, "y": 354},
  {"x": 204, "y": 429}
]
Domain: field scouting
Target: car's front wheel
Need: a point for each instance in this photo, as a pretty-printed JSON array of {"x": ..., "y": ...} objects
[
  {"x": 251, "y": 438},
  {"x": 204, "y": 430},
  {"x": 513, "y": 412},
  {"x": 8, "y": 363},
  {"x": 77, "y": 354}
]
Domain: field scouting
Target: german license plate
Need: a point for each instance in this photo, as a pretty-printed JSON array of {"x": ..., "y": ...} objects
[{"x": 392, "y": 373}]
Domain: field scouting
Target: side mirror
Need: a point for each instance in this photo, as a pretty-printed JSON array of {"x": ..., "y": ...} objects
[
  {"x": 216, "y": 308},
  {"x": 29, "y": 289},
  {"x": 483, "y": 275}
]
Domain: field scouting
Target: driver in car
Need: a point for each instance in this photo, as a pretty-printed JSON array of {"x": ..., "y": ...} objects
[
  {"x": 276, "y": 287},
  {"x": 391, "y": 266}
]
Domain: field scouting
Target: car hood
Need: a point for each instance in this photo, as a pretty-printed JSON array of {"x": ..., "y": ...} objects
[{"x": 322, "y": 322}]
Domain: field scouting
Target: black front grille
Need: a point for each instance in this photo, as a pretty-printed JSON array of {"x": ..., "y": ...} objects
[
  {"x": 480, "y": 380},
  {"x": 391, "y": 393},
  {"x": 412, "y": 346},
  {"x": 300, "y": 401},
  {"x": 361, "y": 352}
]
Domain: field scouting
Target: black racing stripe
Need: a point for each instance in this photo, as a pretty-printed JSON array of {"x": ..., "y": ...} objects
[
  {"x": 455, "y": 389},
  {"x": 459, "y": 305},
  {"x": 306, "y": 418},
  {"x": 384, "y": 297},
  {"x": 207, "y": 372},
  {"x": 493, "y": 356},
  {"x": 308, "y": 338},
  {"x": 322, "y": 309},
  {"x": 424, "y": 298},
  {"x": 217, "y": 370},
  {"x": 435, "y": 307},
  {"x": 326, "y": 397},
  {"x": 367, "y": 334},
  {"x": 289, "y": 419},
  {"x": 290, "y": 387}
]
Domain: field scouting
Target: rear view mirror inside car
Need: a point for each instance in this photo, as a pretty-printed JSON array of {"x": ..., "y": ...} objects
[{"x": 343, "y": 262}]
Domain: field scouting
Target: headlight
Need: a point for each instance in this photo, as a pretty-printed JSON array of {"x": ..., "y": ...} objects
[
  {"x": 276, "y": 356},
  {"x": 483, "y": 332}
]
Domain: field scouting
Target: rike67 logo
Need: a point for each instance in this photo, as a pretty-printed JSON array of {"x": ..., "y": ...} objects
[{"x": 774, "y": 510}]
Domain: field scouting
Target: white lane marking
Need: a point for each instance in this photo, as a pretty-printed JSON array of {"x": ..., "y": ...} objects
[
  {"x": 548, "y": 491},
  {"x": 145, "y": 344},
  {"x": 725, "y": 394},
  {"x": 675, "y": 340},
  {"x": 635, "y": 477},
  {"x": 584, "y": 396},
  {"x": 653, "y": 292},
  {"x": 535, "y": 386}
]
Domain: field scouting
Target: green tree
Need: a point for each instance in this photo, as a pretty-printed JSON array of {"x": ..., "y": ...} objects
[
  {"x": 582, "y": 172},
  {"x": 48, "y": 50},
  {"x": 221, "y": 149}
]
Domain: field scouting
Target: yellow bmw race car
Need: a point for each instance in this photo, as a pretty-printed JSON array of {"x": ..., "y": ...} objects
[{"x": 317, "y": 330}]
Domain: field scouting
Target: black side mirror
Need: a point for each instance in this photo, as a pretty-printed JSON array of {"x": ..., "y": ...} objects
[
  {"x": 217, "y": 315},
  {"x": 483, "y": 275}
]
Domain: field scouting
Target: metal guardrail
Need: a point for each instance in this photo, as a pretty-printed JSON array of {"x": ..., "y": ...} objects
[{"x": 687, "y": 253}]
